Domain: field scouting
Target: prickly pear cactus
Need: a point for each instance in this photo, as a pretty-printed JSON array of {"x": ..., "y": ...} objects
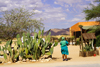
[{"x": 31, "y": 47}]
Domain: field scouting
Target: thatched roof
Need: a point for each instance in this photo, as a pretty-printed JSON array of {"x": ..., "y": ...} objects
[{"x": 89, "y": 35}]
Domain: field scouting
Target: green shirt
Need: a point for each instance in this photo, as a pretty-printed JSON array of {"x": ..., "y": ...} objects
[{"x": 63, "y": 43}]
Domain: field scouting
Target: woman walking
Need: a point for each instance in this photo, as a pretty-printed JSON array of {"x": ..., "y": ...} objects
[{"x": 64, "y": 48}]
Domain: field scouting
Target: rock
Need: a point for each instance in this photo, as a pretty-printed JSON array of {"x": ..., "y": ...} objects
[
  {"x": 50, "y": 58},
  {"x": 19, "y": 62},
  {"x": 24, "y": 60},
  {"x": 41, "y": 61},
  {"x": 1, "y": 52},
  {"x": 9, "y": 62},
  {"x": 1, "y": 56},
  {"x": 99, "y": 48},
  {"x": 20, "y": 58},
  {"x": 27, "y": 60},
  {"x": 15, "y": 60},
  {"x": 0, "y": 61},
  {"x": 45, "y": 60},
  {"x": 33, "y": 60}
]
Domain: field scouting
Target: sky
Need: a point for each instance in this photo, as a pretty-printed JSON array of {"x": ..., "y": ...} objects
[{"x": 59, "y": 14}]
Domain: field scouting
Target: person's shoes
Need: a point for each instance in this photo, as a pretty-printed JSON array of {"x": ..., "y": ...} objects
[
  {"x": 63, "y": 59},
  {"x": 66, "y": 59}
]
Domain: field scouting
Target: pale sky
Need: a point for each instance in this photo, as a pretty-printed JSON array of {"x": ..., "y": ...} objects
[{"x": 55, "y": 13}]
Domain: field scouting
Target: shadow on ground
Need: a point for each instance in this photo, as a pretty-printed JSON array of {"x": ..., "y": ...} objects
[
  {"x": 54, "y": 58},
  {"x": 69, "y": 58}
]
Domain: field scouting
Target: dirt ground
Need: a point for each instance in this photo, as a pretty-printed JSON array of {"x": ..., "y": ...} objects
[{"x": 73, "y": 59}]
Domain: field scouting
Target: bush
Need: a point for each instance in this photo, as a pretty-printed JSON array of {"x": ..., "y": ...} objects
[
  {"x": 88, "y": 48},
  {"x": 72, "y": 37},
  {"x": 60, "y": 39},
  {"x": 0, "y": 42},
  {"x": 30, "y": 48},
  {"x": 98, "y": 41},
  {"x": 77, "y": 41},
  {"x": 54, "y": 39}
]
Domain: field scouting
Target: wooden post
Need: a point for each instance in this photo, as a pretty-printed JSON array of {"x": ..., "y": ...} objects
[
  {"x": 69, "y": 40},
  {"x": 81, "y": 40},
  {"x": 92, "y": 44},
  {"x": 80, "y": 45},
  {"x": 72, "y": 41},
  {"x": 75, "y": 38}
]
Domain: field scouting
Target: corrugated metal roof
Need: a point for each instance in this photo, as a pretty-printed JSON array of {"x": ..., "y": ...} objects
[
  {"x": 89, "y": 35},
  {"x": 90, "y": 27}
]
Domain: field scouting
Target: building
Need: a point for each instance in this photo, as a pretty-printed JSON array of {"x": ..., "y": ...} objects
[{"x": 75, "y": 30}]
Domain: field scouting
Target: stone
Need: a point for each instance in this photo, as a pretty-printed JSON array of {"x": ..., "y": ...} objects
[
  {"x": 1, "y": 56},
  {"x": 33, "y": 60},
  {"x": 45, "y": 60},
  {"x": 20, "y": 58},
  {"x": 1, "y": 52},
  {"x": 0, "y": 61},
  {"x": 9, "y": 62},
  {"x": 27, "y": 60},
  {"x": 19, "y": 62},
  {"x": 24, "y": 60}
]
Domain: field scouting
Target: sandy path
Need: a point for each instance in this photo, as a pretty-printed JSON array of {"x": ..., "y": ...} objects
[
  {"x": 73, "y": 57},
  {"x": 73, "y": 54}
]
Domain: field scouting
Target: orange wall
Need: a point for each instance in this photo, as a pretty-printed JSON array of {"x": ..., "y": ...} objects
[
  {"x": 76, "y": 28},
  {"x": 90, "y": 23}
]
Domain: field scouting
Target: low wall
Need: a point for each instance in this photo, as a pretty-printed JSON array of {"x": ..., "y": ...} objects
[{"x": 88, "y": 53}]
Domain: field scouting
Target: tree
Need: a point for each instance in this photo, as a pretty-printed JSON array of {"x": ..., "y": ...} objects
[
  {"x": 94, "y": 12},
  {"x": 17, "y": 21},
  {"x": 80, "y": 26}
]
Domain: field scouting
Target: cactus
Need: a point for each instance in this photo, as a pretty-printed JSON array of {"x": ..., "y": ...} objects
[
  {"x": 51, "y": 50},
  {"x": 0, "y": 48},
  {"x": 31, "y": 48},
  {"x": 42, "y": 33},
  {"x": 26, "y": 51},
  {"x": 19, "y": 43},
  {"x": 16, "y": 55},
  {"x": 56, "y": 43},
  {"x": 43, "y": 50},
  {"x": 5, "y": 56},
  {"x": 39, "y": 33}
]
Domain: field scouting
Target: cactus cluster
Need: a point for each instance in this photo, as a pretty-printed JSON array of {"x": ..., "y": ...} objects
[{"x": 30, "y": 48}]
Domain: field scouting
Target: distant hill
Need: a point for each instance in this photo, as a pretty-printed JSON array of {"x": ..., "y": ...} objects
[{"x": 58, "y": 31}]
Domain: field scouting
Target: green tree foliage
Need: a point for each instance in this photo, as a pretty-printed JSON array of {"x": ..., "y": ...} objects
[
  {"x": 96, "y": 30},
  {"x": 16, "y": 21},
  {"x": 80, "y": 26},
  {"x": 94, "y": 12},
  {"x": 98, "y": 41}
]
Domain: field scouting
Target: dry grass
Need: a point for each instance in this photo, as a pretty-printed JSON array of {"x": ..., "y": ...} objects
[
  {"x": 58, "y": 36},
  {"x": 3, "y": 42}
]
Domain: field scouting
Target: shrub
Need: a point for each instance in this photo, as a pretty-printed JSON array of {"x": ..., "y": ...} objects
[
  {"x": 0, "y": 42},
  {"x": 77, "y": 41},
  {"x": 30, "y": 48},
  {"x": 98, "y": 41},
  {"x": 60, "y": 39},
  {"x": 88, "y": 48}
]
